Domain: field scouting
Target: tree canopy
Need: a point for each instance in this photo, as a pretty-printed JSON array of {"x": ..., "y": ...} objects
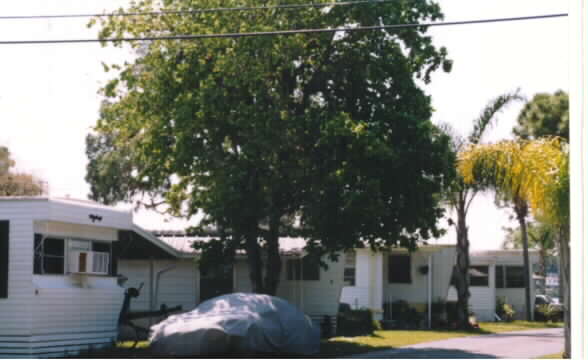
[
  {"x": 330, "y": 129},
  {"x": 537, "y": 170},
  {"x": 545, "y": 115},
  {"x": 16, "y": 183}
]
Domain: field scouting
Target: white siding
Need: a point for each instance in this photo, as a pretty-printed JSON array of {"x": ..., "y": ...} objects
[
  {"x": 61, "y": 229},
  {"x": 79, "y": 213},
  {"x": 15, "y": 310},
  {"x": 514, "y": 297},
  {"x": 178, "y": 286},
  {"x": 483, "y": 298},
  {"x": 416, "y": 291},
  {"x": 356, "y": 296},
  {"x": 369, "y": 277},
  {"x": 315, "y": 298},
  {"x": 43, "y": 318},
  {"x": 90, "y": 310},
  {"x": 443, "y": 261},
  {"x": 372, "y": 278}
]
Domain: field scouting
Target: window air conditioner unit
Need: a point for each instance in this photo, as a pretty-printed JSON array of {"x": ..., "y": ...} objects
[{"x": 89, "y": 262}]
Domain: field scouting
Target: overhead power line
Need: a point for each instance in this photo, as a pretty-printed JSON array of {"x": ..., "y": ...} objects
[
  {"x": 198, "y": 11},
  {"x": 280, "y": 32}
]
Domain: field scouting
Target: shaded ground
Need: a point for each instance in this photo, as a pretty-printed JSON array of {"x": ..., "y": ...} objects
[{"x": 388, "y": 340}]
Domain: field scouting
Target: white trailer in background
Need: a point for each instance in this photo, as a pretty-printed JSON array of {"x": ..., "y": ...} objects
[
  {"x": 303, "y": 283},
  {"x": 498, "y": 274},
  {"x": 375, "y": 280}
]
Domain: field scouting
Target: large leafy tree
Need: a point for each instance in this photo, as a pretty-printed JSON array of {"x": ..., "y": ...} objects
[
  {"x": 16, "y": 183},
  {"x": 328, "y": 129},
  {"x": 536, "y": 171},
  {"x": 544, "y": 115},
  {"x": 460, "y": 195}
]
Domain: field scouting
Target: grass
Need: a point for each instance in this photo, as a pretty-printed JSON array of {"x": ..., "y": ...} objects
[
  {"x": 344, "y": 346},
  {"x": 552, "y": 356},
  {"x": 389, "y": 339}
]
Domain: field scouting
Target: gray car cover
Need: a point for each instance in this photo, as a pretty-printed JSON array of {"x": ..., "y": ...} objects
[{"x": 237, "y": 323}]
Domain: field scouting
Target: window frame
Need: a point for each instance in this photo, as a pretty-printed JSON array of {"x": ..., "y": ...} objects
[
  {"x": 39, "y": 251},
  {"x": 487, "y": 277},
  {"x": 503, "y": 283},
  {"x": 499, "y": 280},
  {"x": 295, "y": 269},
  {"x": 349, "y": 266}
]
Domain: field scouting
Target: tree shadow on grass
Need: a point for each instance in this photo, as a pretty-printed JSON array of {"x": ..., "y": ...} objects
[{"x": 426, "y": 353}]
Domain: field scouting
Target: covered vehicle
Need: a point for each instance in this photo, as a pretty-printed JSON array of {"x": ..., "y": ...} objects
[{"x": 237, "y": 323}]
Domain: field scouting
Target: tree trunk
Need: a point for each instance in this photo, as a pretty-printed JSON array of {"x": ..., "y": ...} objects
[
  {"x": 463, "y": 265},
  {"x": 521, "y": 209},
  {"x": 564, "y": 286},
  {"x": 543, "y": 268},
  {"x": 255, "y": 262},
  {"x": 273, "y": 263}
]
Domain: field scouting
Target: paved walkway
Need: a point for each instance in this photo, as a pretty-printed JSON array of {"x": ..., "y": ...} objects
[{"x": 516, "y": 344}]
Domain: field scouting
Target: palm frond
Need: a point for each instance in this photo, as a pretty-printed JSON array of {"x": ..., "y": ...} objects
[{"x": 488, "y": 115}]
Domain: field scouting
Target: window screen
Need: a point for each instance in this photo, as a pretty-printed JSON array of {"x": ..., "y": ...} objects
[
  {"x": 499, "y": 277},
  {"x": 305, "y": 269},
  {"x": 52, "y": 255},
  {"x": 515, "y": 277},
  {"x": 399, "y": 269}
]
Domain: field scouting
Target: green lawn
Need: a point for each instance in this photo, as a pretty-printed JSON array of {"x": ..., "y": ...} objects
[
  {"x": 343, "y": 346},
  {"x": 388, "y": 339},
  {"x": 552, "y": 356}
]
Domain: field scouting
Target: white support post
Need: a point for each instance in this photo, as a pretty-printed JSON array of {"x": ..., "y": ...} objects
[{"x": 429, "y": 287}]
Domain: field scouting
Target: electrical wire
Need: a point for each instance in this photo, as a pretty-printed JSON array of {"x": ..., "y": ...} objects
[
  {"x": 279, "y": 32},
  {"x": 199, "y": 11}
]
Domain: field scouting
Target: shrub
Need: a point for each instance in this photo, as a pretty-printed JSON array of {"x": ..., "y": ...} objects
[
  {"x": 357, "y": 323},
  {"x": 504, "y": 310},
  {"x": 548, "y": 313},
  {"x": 439, "y": 313},
  {"x": 451, "y": 308},
  {"x": 403, "y": 315}
]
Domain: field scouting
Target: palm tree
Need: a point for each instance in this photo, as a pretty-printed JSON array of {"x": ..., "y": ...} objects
[
  {"x": 541, "y": 237},
  {"x": 535, "y": 172},
  {"x": 460, "y": 196}
]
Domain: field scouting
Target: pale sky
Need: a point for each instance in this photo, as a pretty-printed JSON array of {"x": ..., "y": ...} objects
[{"x": 49, "y": 100}]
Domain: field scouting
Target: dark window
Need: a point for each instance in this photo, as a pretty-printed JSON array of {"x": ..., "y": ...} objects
[
  {"x": 305, "y": 269},
  {"x": 478, "y": 275},
  {"x": 515, "y": 277},
  {"x": 499, "y": 276},
  {"x": 100, "y": 246},
  {"x": 4, "y": 249},
  {"x": 49, "y": 255},
  {"x": 399, "y": 269},
  {"x": 349, "y": 276}
]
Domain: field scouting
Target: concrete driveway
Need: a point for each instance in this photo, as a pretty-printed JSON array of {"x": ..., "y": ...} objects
[{"x": 516, "y": 344}]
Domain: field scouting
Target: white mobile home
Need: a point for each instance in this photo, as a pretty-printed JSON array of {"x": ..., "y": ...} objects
[
  {"x": 375, "y": 280},
  {"x": 498, "y": 274},
  {"x": 58, "y": 286},
  {"x": 177, "y": 280}
]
